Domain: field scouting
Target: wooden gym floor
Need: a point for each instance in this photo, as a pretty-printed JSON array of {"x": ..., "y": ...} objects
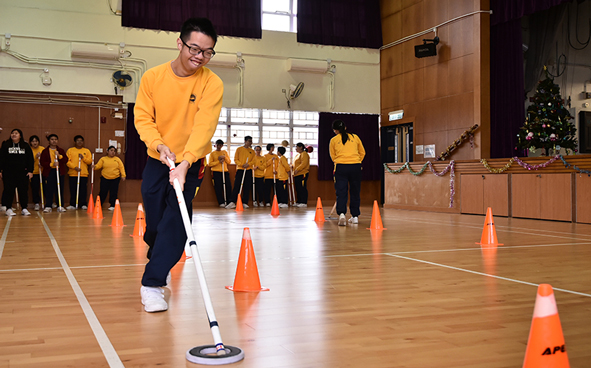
[{"x": 419, "y": 294}]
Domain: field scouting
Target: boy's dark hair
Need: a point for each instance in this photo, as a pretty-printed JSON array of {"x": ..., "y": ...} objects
[
  {"x": 219, "y": 141},
  {"x": 281, "y": 150},
  {"x": 270, "y": 146},
  {"x": 301, "y": 145},
  {"x": 113, "y": 147},
  {"x": 202, "y": 25},
  {"x": 34, "y": 137},
  {"x": 78, "y": 136},
  {"x": 52, "y": 135},
  {"x": 247, "y": 138}
]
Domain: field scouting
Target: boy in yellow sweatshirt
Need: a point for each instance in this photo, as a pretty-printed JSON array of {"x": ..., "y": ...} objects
[
  {"x": 112, "y": 173},
  {"x": 243, "y": 160},
  {"x": 301, "y": 168},
  {"x": 218, "y": 162},
  {"x": 176, "y": 113},
  {"x": 76, "y": 154},
  {"x": 259, "y": 165},
  {"x": 35, "y": 180},
  {"x": 282, "y": 174}
]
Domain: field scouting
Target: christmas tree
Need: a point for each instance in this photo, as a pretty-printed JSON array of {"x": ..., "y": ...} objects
[{"x": 548, "y": 124}]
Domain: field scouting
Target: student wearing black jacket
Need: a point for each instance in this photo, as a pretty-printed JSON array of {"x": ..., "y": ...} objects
[{"x": 16, "y": 169}]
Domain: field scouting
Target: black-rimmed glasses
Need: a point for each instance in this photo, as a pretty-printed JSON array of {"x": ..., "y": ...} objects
[{"x": 196, "y": 51}]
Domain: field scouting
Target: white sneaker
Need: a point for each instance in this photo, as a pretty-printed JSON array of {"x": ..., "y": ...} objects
[
  {"x": 153, "y": 299},
  {"x": 61, "y": 209},
  {"x": 37, "y": 207},
  {"x": 111, "y": 208},
  {"x": 47, "y": 210},
  {"x": 354, "y": 220},
  {"x": 70, "y": 208},
  {"x": 254, "y": 204},
  {"x": 168, "y": 278},
  {"x": 342, "y": 220},
  {"x": 282, "y": 205},
  {"x": 10, "y": 212},
  {"x": 25, "y": 212},
  {"x": 302, "y": 205},
  {"x": 2, "y": 208},
  {"x": 244, "y": 205},
  {"x": 84, "y": 207},
  {"x": 223, "y": 205},
  {"x": 230, "y": 206},
  {"x": 261, "y": 204},
  {"x": 268, "y": 205}
]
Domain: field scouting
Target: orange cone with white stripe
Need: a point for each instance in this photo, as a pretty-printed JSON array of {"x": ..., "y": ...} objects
[
  {"x": 376, "y": 218},
  {"x": 117, "y": 217},
  {"x": 247, "y": 272},
  {"x": 489, "y": 234},
  {"x": 319, "y": 217},
  {"x": 98, "y": 209},
  {"x": 545, "y": 345},
  {"x": 139, "y": 229}
]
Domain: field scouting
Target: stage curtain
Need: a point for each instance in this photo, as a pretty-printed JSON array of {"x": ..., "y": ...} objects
[
  {"x": 236, "y": 18},
  {"x": 349, "y": 23},
  {"x": 366, "y": 127}
]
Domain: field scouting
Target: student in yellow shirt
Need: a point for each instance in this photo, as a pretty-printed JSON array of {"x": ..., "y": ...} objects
[
  {"x": 282, "y": 174},
  {"x": 271, "y": 166},
  {"x": 301, "y": 169},
  {"x": 347, "y": 153},
  {"x": 112, "y": 173},
  {"x": 176, "y": 114},
  {"x": 243, "y": 160},
  {"x": 35, "y": 181},
  {"x": 53, "y": 162},
  {"x": 259, "y": 164},
  {"x": 76, "y": 154},
  {"x": 218, "y": 161}
]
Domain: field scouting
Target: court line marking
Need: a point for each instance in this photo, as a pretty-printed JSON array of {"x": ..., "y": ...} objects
[
  {"x": 108, "y": 350},
  {"x": 486, "y": 274},
  {"x": 4, "y": 235}
]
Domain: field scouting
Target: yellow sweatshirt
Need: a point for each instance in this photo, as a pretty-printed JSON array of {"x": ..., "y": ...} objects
[
  {"x": 36, "y": 151},
  {"x": 214, "y": 162},
  {"x": 350, "y": 153},
  {"x": 72, "y": 154},
  {"x": 112, "y": 167},
  {"x": 301, "y": 163},
  {"x": 261, "y": 163},
  {"x": 243, "y": 153},
  {"x": 271, "y": 165},
  {"x": 181, "y": 113},
  {"x": 282, "y": 169}
]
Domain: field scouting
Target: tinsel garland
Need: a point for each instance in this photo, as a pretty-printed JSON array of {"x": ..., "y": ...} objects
[
  {"x": 449, "y": 168},
  {"x": 497, "y": 171},
  {"x": 581, "y": 171},
  {"x": 527, "y": 166},
  {"x": 467, "y": 134}
]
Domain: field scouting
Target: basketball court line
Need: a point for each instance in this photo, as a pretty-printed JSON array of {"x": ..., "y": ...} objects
[
  {"x": 4, "y": 235},
  {"x": 486, "y": 274},
  {"x": 108, "y": 350}
]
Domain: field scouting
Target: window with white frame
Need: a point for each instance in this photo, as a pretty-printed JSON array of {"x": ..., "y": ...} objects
[
  {"x": 268, "y": 126},
  {"x": 279, "y": 15}
]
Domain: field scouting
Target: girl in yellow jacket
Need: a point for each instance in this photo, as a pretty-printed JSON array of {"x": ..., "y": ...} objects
[
  {"x": 76, "y": 154},
  {"x": 282, "y": 173},
  {"x": 259, "y": 163},
  {"x": 218, "y": 162},
  {"x": 270, "y": 179},
  {"x": 347, "y": 153},
  {"x": 35, "y": 182},
  {"x": 301, "y": 169},
  {"x": 113, "y": 172}
]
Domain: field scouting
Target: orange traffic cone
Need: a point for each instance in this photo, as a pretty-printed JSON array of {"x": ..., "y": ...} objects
[
  {"x": 275, "y": 207},
  {"x": 117, "y": 217},
  {"x": 376, "y": 218},
  {"x": 90, "y": 209},
  {"x": 489, "y": 234},
  {"x": 247, "y": 273},
  {"x": 545, "y": 345},
  {"x": 319, "y": 217},
  {"x": 98, "y": 209},
  {"x": 239, "y": 206},
  {"x": 139, "y": 228}
]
